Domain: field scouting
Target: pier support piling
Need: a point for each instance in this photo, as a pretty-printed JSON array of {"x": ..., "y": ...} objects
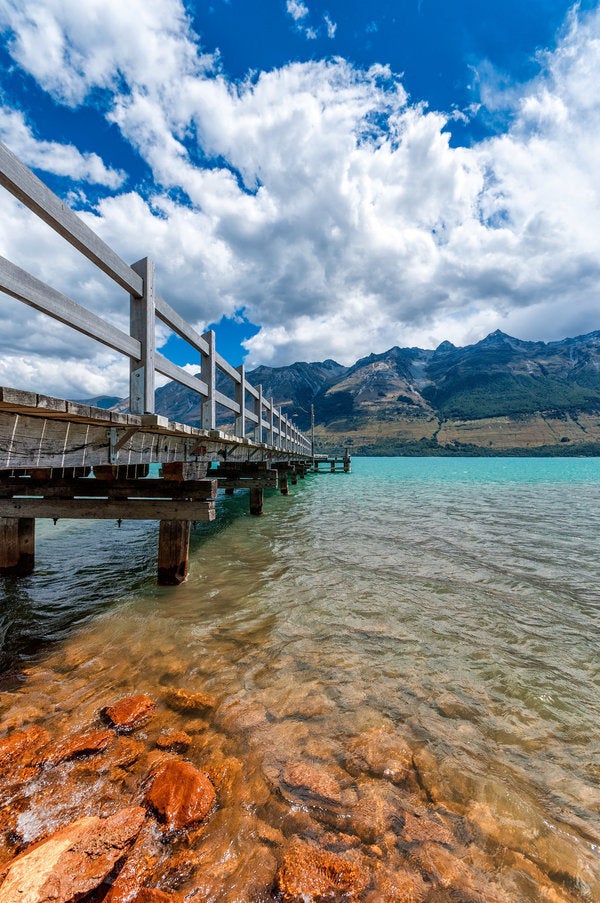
[
  {"x": 283, "y": 482},
  {"x": 173, "y": 552},
  {"x": 17, "y": 545},
  {"x": 256, "y": 501}
]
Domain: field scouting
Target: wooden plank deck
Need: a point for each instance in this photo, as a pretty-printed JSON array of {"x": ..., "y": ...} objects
[{"x": 38, "y": 431}]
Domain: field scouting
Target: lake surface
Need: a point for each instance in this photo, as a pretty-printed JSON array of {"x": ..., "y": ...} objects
[{"x": 441, "y": 612}]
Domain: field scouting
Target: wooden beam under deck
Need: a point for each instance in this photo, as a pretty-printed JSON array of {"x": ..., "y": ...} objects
[
  {"x": 191, "y": 490},
  {"x": 109, "y": 509}
]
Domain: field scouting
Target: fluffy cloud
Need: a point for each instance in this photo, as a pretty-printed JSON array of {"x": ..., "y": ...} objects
[
  {"x": 324, "y": 203},
  {"x": 297, "y": 9},
  {"x": 330, "y": 26},
  {"x": 70, "y": 47},
  {"x": 50, "y": 156}
]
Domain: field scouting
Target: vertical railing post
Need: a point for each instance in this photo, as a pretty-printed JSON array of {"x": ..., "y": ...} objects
[
  {"x": 208, "y": 374},
  {"x": 271, "y": 439},
  {"x": 142, "y": 325},
  {"x": 258, "y": 406},
  {"x": 279, "y": 442},
  {"x": 240, "y": 397}
]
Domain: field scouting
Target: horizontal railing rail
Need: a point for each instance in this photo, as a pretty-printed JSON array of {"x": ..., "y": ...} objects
[{"x": 268, "y": 425}]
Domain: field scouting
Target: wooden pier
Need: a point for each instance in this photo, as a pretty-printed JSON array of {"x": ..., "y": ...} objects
[
  {"x": 332, "y": 463},
  {"x": 61, "y": 459}
]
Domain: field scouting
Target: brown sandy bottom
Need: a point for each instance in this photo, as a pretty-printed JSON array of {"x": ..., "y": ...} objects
[{"x": 297, "y": 791}]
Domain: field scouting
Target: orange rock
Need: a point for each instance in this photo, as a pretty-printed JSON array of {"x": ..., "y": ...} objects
[
  {"x": 130, "y": 712},
  {"x": 236, "y": 716},
  {"x": 172, "y": 739},
  {"x": 180, "y": 794},
  {"x": 398, "y": 886},
  {"x": 420, "y": 827},
  {"x": 153, "y": 895},
  {"x": 188, "y": 701},
  {"x": 71, "y": 862},
  {"x": 22, "y": 746},
  {"x": 311, "y": 781},
  {"x": 79, "y": 745},
  {"x": 307, "y": 874},
  {"x": 442, "y": 866},
  {"x": 139, "y": 866},
  {"x": 381, "y": 753},
  {"x": 125, "y": 752},
  {"x": 227, "y": 776},
  {"x": 377, "y": 811}
]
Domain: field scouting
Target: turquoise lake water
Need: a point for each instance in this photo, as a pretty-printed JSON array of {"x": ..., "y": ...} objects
[{"x": 456, "y": 601}]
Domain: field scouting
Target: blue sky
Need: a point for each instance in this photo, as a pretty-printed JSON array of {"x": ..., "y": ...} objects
[{"x": 314, "y": 179}]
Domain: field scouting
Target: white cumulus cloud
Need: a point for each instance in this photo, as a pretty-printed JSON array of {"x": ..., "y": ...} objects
[
  {"x": 316, "y": 196},
  {"x": 53, "y": 157},
  {"x": 297, "y": 9}
]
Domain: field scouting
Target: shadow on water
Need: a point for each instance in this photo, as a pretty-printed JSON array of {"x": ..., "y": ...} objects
[{"x": 83, "y": 569}]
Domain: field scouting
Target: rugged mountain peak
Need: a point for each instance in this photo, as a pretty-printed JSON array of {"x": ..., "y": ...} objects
[
  {"x": 497, "y": 337},
  {"x": 444, "y": 348}
]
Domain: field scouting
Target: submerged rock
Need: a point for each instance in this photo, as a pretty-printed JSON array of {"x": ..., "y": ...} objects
[
  {"x": 398, "y": 886},
  {"x": 188, "y": 701},
  {"x": 172, "y": 739},
  {"x": 377, "y": 811},
  {"x": 130, "y": 712},
  {"x": 238, "y": 716},
  {"x": 79, "y": 745},
  {"x": 381, "y": 753},
  {"x": 312, "y": 782},
  {"x": 153, "y": 895},
  {"x": 180, "y": 795},
  {"x": 73, "y": 861},
  {"x": 139, "y": 868},
  {"x": 125, "y": 752},
  {"x": 226, "y": 774},
  {"x": 421, "y": 826},
  {"x": 22, "y": 746},
  {"x": 308, "y": 874}
]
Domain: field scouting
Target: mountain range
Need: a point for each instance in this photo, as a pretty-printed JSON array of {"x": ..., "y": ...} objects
[{"x": 498, "y": 396}]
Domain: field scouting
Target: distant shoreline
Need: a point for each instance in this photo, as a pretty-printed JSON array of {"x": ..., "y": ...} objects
[{"x": 417, "y": 450}]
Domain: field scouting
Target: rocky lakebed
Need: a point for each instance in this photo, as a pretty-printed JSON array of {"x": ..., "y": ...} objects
[{"x": 181, "y": 796}]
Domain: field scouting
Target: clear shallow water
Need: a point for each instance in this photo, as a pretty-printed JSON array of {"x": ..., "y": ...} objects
[{"x": 449, "y": 604}]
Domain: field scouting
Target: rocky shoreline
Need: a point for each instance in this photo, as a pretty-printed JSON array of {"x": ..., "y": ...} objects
[{"x": 146, "y": 802}]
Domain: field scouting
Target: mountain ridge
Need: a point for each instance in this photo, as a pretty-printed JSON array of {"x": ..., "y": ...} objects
[{"x": 500, "y": 395}]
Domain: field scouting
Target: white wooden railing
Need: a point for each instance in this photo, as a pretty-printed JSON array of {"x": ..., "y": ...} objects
[{"x": 267, "y": 423}]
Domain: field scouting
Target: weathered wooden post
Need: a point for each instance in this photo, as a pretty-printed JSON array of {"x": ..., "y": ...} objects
[
  {"x": 271, "y": 434},
  {"x": 293, "y": 476},
  {"x": 240, "y": 398},
  {"x": 208, "y": 374},
  {"x": 173, "y": 552},
  {"x": 142, "y": 328},
  {"x": 283, "y": 482},
  {"x": 257, "y": 495},
  {"x": 17, "y": 545},
  {"x": 258, "y": 410}
]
